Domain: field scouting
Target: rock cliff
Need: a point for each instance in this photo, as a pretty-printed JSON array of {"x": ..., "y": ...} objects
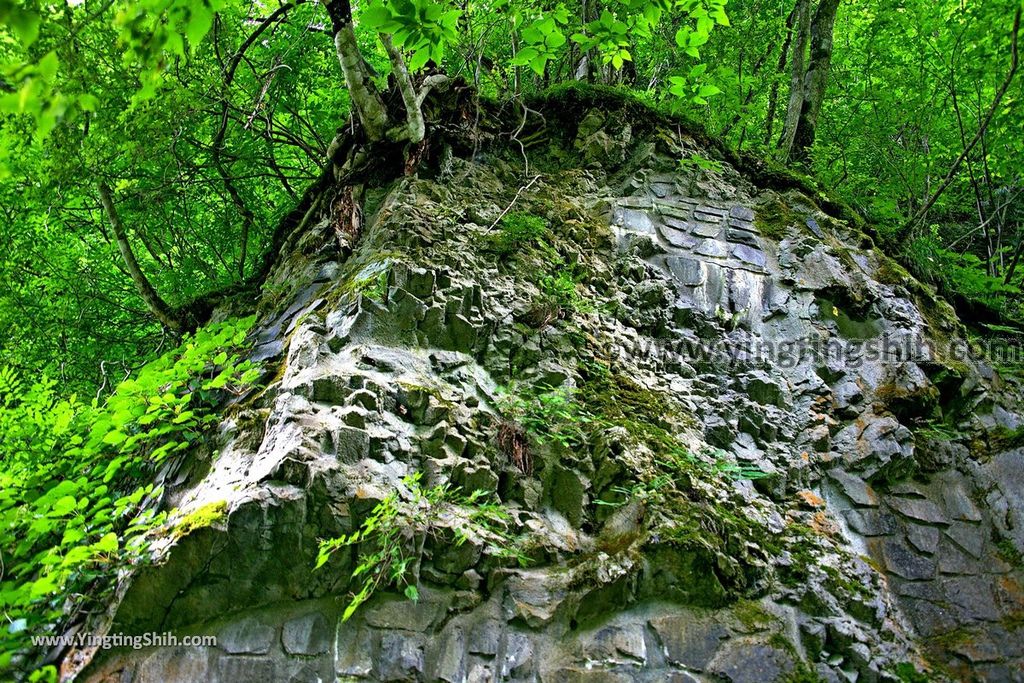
[{"x": 734, "y": 441}]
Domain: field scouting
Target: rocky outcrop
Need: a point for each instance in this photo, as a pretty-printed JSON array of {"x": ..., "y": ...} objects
[{"x": 843, "y": 498}]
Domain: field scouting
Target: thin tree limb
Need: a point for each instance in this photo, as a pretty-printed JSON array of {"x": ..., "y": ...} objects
[
  {"x": 508, "y": 208},
  {"x": 1014, "y": 63},
  {"x": 414, "y": 128},
  {"x": 164, "y": 313}
]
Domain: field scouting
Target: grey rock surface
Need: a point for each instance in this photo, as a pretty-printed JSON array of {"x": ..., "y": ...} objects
[{"x": 823, "y": 526}]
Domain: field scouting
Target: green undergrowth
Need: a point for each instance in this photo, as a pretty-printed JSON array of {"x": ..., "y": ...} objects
[
  {"x": 392, "y": 539},
  {"x": 962, "y": 276},
  {"x": 516, "y": 231},
  {"x": 75, "y": 505},
  {"x": 908, "y": 673}
]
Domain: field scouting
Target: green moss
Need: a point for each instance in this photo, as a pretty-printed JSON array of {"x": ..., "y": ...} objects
[
  {"x": 516, "y": 231},
  {"x": 1014, "y": 621},
  {"x": 1002, "y": 439},
  {"x": 889, "y": 272},
  {"x": 774, "y": 219},
  {"x": 647, "y": 415},
  {"x": 208, "y": 515},
  {"x": 752, "y": 615},
  {"x": 1008, "y": 551},
  {"x": 372, "y": 280},
  {"x": 951, "y": 639},
  {"x": 690, "y": 524},
  {"x": 802, "y": 673},
  {"x": 849, "y": 586},
  {"x": 908, "y": 673}
]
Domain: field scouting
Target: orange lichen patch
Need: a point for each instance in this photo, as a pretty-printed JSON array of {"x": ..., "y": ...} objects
[
  {"x": 1011, "y": 594},
  {"x": 823, "y": 524},
  {"x": 811, "y": 499}
]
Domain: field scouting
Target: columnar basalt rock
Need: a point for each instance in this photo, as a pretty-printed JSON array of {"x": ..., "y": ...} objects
[{"x": 829, "y": 531}]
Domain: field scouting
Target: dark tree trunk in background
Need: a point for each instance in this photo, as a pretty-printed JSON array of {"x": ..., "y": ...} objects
[
  {"x": 809, "y": 76},
  {"x": 773, "y": 93},
  {"x": 1008, "y": 280},
  {"x": 800, "y": 33},
  {"x": 164, "y": 313}
]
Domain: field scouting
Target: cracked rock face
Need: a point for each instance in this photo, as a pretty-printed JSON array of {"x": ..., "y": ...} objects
[{"x": 828, "y": 530}]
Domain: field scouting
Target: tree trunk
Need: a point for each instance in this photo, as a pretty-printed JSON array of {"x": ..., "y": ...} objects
[
  {"x": 815, "y": 80},
  {"x": 773, "y": 92},
  {"x": 366, "y": 100},
  {"x": 415, "y": 128},
  {"x": 164, "y": 313},
  {"x": 1008, "y": 280},
  {"x": 797, "y": 71}
]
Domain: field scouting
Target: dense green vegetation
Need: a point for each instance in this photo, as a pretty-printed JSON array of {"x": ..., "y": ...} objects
[
  {"x": 76, "y": 487},
  {"x": 149, "y": 150}
]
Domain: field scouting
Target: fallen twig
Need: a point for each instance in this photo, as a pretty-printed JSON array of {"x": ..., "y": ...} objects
[{"x": 522, "y": 189}]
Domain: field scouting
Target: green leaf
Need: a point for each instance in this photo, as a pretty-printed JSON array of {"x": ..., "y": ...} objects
[
  {"x": 63, "y": 506},
  {"x": 419, "y": 60},
  {"x": 375, "y": 17},
  {"x": 114, "y": 438},
  {"x": 199, "y": 24},
  {"x": 108, "y": 543},
  {"x": 87, "y": 102},
  {"x": 24, "y": 23}
]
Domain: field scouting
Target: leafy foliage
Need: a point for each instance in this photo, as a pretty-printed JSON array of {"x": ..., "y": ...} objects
[
  {"x": 392, "y": 538},
  {"x": 75, "y": 505},
  {"x": 964, "y": 275},
  {"x": 561, "y": 290},
  {"x": 423, "y": 27}
]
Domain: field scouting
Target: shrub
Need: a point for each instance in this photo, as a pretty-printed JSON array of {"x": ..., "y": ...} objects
[
  {"x": 391, "y": 539},
  {"x": 963, "y": 275},
  {"x": 515, "y": 231}
]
